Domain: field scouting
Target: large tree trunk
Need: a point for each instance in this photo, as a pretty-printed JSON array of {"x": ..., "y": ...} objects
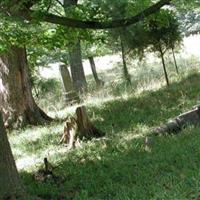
[
  {"x": 10, "y": 185},
  {"x": 19, "y": 107},
  {"x": 75, "y": 58},
  {"x": 69, "y": 93},
  {"x": 164, "y": 66},
  {"x": 125, "y": 69},
  {"x": 98, "y": 81},
  {"x": 76, "y": 66}
]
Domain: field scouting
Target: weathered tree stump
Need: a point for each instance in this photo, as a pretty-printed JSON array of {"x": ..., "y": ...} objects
[
  {"x": 85, "y": 127},
  {"x": 79, "y": 128},
  {"x": 175, "y": 125},
  {"x": 70, "y": 132}
]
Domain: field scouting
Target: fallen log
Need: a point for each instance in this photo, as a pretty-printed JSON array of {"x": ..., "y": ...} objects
[
  {"x": 180, "y": 122},
  {"x": 79, "y": 127}
]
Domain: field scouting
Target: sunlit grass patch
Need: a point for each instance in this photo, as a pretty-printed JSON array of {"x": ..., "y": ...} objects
[
  {"x": 118, "y": 166},
  {"x": 127, "y": 171}
]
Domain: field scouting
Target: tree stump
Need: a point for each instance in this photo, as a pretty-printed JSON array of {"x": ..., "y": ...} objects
[
  {"x": 70, "y": 132},
  {"x": 85, "y": 127},
  {"x": 79, "y": 128}
]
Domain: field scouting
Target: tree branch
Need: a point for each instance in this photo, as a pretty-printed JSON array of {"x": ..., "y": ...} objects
[
  {"x": 69, "y": 22},
  {"x": 59, "y": 3},
  {"x": 29, "y": 3}
]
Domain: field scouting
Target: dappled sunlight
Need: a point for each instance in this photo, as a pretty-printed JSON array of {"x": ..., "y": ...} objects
[
  {"x": 32, "y": 134},
  {"x": 127, "y": 171},
  {"x": 32, "y": 161},
  {"x": 152, "y": 86},
  {"x": 99, "y": 100},
  {"x": 147, "y": 75},
  {"x": 192, "y": 45},
  {"x": 119, "y": 161}
]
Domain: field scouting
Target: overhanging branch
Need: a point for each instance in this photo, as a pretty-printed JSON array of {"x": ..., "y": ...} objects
[{"x": 69, "y": 22}]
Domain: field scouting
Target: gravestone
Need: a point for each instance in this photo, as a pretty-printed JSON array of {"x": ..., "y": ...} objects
[{"x": 69, "y": 93}]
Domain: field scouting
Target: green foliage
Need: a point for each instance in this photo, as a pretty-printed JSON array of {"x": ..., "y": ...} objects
[
  {"x": 163, "y": 31},
  {"x": 189, "y": 20},
  {"x": 185, "y": 5},
  {"x": 45, "y": 86},
  {"x": 16, "y": 33}
]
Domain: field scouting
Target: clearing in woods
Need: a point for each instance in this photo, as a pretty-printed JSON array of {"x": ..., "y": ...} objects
[{"x": 119, "y": 166}]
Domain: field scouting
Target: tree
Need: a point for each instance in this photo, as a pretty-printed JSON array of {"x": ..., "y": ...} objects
[
  {"x": 163, "y": 34},
  {"x": 19, "y": 107},
  {"x": 125, "y": 69},
  {"x": 116, "y": 36},
  {"x": 175, "y": 62},
  {"x": 22, "y": 10},
  {"x": 10, "y": 185},
  {"x": 98, "y": 81},
  {"x": 93, "y": 47},
  {"x": 75, "y": 56},
  {"x": 76, "y": 66}
]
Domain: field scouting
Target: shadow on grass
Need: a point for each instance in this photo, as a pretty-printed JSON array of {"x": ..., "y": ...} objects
[
  {"x": 150, "y": 108},
  {"x": 122, "y": 170},
  {"x": 169, "y": 171}
]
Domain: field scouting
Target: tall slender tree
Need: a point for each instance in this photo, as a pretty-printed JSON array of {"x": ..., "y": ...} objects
[
  {"x": 125, "y": 69},
  {"x": 98, "y": 81},
  {"x": 163, "y": 34}
]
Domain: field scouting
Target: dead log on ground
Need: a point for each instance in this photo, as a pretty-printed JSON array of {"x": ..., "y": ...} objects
[
  {"x": 175, "y": 125},
  {"x": 79, "y": 128}
]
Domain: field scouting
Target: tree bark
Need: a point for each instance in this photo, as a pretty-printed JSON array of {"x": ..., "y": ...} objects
[
  {"x": 79, "y": 128},
  {"x": 10, "y": 185},
  {"x": 75, "y": 57},
  {"x": 85, "y": 127},
  {"x": 125, "y": 69},
  {"x": 98, "y": 81},
  {"x": 175, "y": 63},
  {"x": 20, "y": 107},
  {"x": 164, "y": 66},
  {"x": 76, "y": 66}
]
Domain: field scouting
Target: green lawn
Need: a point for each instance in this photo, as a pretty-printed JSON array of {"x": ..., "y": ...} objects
[{"x": 118, "y": 167}]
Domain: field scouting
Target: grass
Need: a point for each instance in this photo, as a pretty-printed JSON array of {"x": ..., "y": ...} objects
[{"x": 119, "y": 167}]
